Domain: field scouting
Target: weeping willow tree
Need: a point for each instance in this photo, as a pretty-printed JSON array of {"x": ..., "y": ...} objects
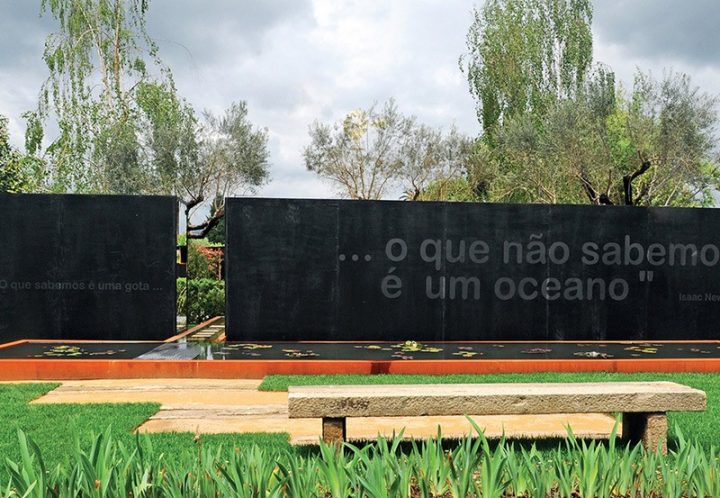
[
  {"x": 123, "y": 129},
  {"x": 525, "y": 55},
  {"x": 100, "y": 60}
]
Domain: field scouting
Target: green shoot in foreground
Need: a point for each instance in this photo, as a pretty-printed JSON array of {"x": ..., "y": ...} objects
[
  {"x": 473, "y": 468},
  {"x": 58, "y": 428}
]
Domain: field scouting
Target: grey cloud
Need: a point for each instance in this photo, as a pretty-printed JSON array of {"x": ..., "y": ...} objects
[
  {"x": 275, "y": 55},
  {"x": 275, "y": 95},
  {"x": 664, "y": 30},
  {"x": 22, "y": 33},
  {"x": 208, "y": 32}
]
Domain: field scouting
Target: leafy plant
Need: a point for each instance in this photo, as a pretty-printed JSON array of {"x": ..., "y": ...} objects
[
  {"x": 335, "y": 476},
  {"x": 430, "y": 467},
  {"x": 473, "y": 468},
  {"x": 207, "y": 298},
  {"x": 200, "y": 265}
]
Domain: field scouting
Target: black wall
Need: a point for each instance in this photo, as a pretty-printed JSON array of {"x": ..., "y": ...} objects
[
  {"x": 312, "y": 269},
  {"x": 87, "y": 267}
]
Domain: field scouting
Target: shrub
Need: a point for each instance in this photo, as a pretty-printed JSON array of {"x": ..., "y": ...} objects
[
  {"x": 198, "y": 266},
  {"x": 207, "y": 298},
  {"x": 214, "y": 257},
  {"x": 204, "y": 261}
]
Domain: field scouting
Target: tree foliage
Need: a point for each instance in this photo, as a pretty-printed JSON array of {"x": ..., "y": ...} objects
[
  {"x": 232, "y": 159},
  {"x": 525, "y": 55},
  {"x": 19, "y": 172},
  {"x": 653, "y": 147},
  {"x": 99, "y": 59},
  {"x": 557, "y": 130},
  {"x": 431, "y": 161},
  {"x": 372, "y": 151},
  {"x": 122, "y": 126}
]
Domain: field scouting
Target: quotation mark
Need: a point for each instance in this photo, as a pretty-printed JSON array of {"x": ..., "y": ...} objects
[
  {"x": 646, "y": 275},
  {"x": 354, "y": 257}
]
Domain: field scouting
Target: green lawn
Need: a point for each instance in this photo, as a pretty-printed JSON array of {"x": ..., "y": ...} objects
[
  {"x": 702, "y": 426},
  {"x": 57, "y": 428},
  {"x": 192, "y": 469}
]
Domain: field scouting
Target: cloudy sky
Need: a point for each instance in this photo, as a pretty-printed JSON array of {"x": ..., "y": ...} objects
[{"x": 295, "y": 61}]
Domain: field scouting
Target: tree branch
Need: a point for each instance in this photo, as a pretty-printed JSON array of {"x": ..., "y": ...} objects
[
  {"x": 206, "y": 226},
  {"x": 193, "y": 202},
  {"x": 628, "y": 179},
  {"x": 587, "y": 186}
]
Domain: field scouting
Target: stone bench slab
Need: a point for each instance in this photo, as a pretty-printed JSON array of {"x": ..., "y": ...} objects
[{"x": 491, "y": 399}]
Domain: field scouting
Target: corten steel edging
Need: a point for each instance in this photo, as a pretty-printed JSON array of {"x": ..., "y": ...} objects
[
  {"x": 13, "y": 343},
  {"x": 68, "y": 369},
  {"x": 385, "y": 341},
  {"x": 212, "y": 320},
  {"x": 84, "y": 341}
]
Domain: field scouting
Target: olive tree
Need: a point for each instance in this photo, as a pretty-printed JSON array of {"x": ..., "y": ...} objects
[
  {"x": 232, "y": 159},
  {"x": 371, "y": 152},
  {"x": 652, "y": 147}
]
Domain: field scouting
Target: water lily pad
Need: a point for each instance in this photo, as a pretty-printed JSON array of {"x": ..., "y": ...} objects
[
  {"x": 409, "y": 346},
  {"x": 299, "y": 354},
  {"x": 250, "y": 345},
  {"x": 593, "y": 354},
  {"x": 536, "y": 350},
  {"x": 466, "y": 354},
  {"x": 642, "y": 349}
]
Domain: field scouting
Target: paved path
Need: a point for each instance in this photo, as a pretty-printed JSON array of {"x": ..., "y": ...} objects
[{"x": 212, "y": 406}]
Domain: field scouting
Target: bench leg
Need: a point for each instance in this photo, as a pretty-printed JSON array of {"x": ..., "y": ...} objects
[
  {"x": 649, "y": 428},
  {"x": 333, "y": 429}
]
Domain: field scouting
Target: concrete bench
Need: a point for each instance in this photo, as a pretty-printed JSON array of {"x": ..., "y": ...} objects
[{"x": 643, "y": 404}]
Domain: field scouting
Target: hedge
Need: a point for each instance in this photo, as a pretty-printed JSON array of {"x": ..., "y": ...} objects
[{"x": 207, "y": 298}]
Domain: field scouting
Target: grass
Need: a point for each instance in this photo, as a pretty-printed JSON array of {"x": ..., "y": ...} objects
[
  {"x": 55, "y": 427},
  {"x": 61, "y": 431},
  {"x": 59, "y": 428},
  {"x": 473, "y": 467},
  {"x": 700, "y": 426}
]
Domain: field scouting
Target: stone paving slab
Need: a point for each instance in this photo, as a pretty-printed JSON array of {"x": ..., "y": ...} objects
[
  {"x": 187, "y": 411},
  {"x": 212, "y": 406},
  {"x": 533, "y": 426},
  {"x": 172, "y": 351},
  {"x": 189, "y": 392},
  {"x": 187, "y": 396},
  {"x": 248, "y": 384},
  {"x": 307, "y": 431}
]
